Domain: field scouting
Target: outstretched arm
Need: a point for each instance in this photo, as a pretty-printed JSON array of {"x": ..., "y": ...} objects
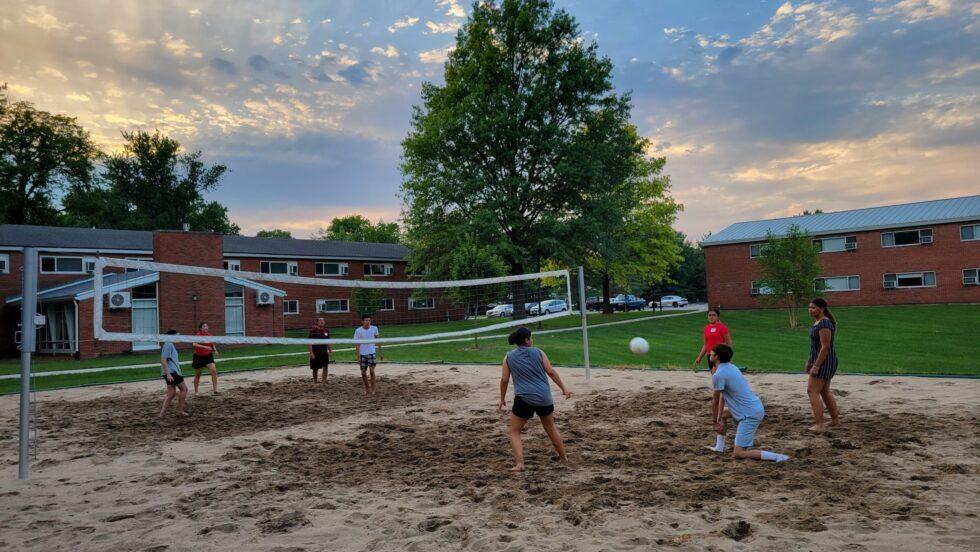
[{"x": 553, "y": 374}]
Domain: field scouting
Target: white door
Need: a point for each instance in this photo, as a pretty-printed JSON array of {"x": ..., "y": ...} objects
[
  {"x": 234, "y": 316},
  {"x": 145, "y": 321}
]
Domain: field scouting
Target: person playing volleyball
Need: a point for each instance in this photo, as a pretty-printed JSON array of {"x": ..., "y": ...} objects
[
  {"x": 204, "y": 358},
  {"x": 530, "y": 369},
  {"x": 821, "y": 365},
  {"x": 170, "y": 370},
  {"x": 366, "y": 351},
  {"x": 715, "y": 333}
]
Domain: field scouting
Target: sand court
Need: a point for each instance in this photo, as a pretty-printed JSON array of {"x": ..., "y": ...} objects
[{"x": 275, "y": 462}]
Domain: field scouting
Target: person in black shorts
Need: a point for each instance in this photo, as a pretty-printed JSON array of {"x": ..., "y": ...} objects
[
  {"x": 170, "y": 370},
  {"x": 821, "y": 365},
  {"x": 204, "y": 358},
  {"x": 320, "y": 354}
]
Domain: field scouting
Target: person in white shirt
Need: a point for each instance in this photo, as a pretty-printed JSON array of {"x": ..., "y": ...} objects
[{"x": 366, "y": 351}]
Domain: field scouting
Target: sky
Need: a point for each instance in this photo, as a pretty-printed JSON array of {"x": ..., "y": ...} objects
[{"x": 762, "y": 108}]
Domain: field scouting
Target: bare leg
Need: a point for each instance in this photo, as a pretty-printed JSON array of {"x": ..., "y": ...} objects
[
  {"x": 171, "y": 391},
  {"x": 367, "y": 384},
  {"x": 813, "y": 388},
  {"x": 514, "y": 434},
  {"x": 548, "y": 422},
  {"x": 181, "y": 398},
  {"x": 214, "y": 377},
  {"x": 831, "y": 403},
  {"x": 325, "y": 375},
  {"x": 315, "y": 370},
  {"x": 197, "y": 379},
  {"x": 372, "y": 380},
  {"x": 740, "y": 453}
]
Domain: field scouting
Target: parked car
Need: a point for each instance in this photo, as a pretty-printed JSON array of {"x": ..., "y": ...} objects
[
  {"x": 532, "y": 309},
  {"x": 554, "y": 305},
  {"x": 627, "y": 302},
  {"x": 593, "y": 303},
  {"x": 501, "y": 311},
  {"x": 670, "y": 301}
]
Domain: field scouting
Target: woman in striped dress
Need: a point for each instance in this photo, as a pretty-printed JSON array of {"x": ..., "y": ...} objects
[{"x": 822, "y": 365}]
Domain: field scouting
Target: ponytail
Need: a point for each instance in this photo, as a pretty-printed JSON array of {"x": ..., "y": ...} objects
[
  {"x": 822, "y": 303},
  {"x": 519, "y": 336}
]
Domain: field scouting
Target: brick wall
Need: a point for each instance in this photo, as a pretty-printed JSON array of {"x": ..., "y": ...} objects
[
  {"x": 730, "y": 271},
  {"x": 112, "y": 320},
  {"x": 177, "y": 307}
]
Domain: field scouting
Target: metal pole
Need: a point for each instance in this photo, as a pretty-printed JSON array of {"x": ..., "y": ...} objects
[
  {"x": 28, "y": 305},
  {"x": 585, "y": 321}
]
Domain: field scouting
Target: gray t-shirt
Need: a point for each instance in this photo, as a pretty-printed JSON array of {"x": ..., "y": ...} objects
[
  {"x": 370, "y": 333},
  {"x": 530, "y": 379},
  {"x": 169, "y": 352},
  {"x": 739, "y": 398}
]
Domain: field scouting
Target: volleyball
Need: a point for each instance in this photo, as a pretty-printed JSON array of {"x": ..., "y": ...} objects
[{"x": 639, "y": 346}]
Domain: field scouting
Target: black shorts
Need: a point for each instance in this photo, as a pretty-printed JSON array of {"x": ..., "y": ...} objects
[
  {"x": 202, "y": 361},
  {"x": 320, "y": 360},
  {"x": 367, "y": 361},
  {"x": 527, "y": 411},
  {"x": 177, "y": 380}
]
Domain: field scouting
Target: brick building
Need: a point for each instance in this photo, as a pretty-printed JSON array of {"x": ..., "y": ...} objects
[
  {"x": 158, "y": 301},
  {"x": 927, "y": 252}
]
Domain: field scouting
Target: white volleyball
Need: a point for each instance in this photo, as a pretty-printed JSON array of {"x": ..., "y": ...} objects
[{"x": 639, "y": 346}]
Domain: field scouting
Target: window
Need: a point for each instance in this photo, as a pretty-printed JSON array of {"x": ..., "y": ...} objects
[
  {"x": 331, "y": 269},
  {"x": 128, "y": 268},
  {"x": 421, "y": 303},
  {"x": 332, "y": 305},
  {"x": 759, "y": 289},
  {"x": 970, "y": 232},
  {"x": 387, "y": 304},
  {"x": 836, "y": 244},
  {"x": 66, "y": 265},
  {"x": 290, "y": 307},
  {"x": 906, "y": 237},
  {"x": 841, "y": 283},
  {"x": 377, "y": 269},
  {"x": 756, "y": 250},
  {"x": 278, "y": 267},
  {"x": 233, "y": 264},
  {"x": 971, "y": 277},
  {"x": 233, "y": 291},
  {"x": 4, "y": 264},
  {"x": 910, "y": 280},
  {"x": 149, "y": 291}
]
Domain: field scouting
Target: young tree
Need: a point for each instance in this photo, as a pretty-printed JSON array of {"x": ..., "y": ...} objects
[
  {"x": 359, "y": 229},
  {"x": 366, "y": 301},
  {"x": 274, "y": 233},
  {"x": 790, "y": 266},
  {"x": 40, "y": 154},
  {"x": 151, "y": 185},
  {"x": 524, "y": 137}
]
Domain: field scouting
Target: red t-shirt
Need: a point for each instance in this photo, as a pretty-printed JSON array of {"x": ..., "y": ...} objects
[
  {"x": 319, "y": 333},
  {"x": 714, "y": 334},
  {"x": 204, "y": 351}
]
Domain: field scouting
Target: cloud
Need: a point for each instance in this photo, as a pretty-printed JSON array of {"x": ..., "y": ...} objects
[
  {"x": 439, "y": 55},
  {"x": 443, "y": 28},
  {"x": 402, "y": 24},
  {"x": 296, "y": 21},
  {"x": 915, "y": 11},
  {"x": 453, "y": 8},
  {"x": 224, "y": 66},
  {"x": 676, "y": 34},
  {"x": 360, "y": 73},
  {"x": 194, "y": 12},
  {"x": 43, "y": 18},
  {"x": 390, "y": 51},
  {"x": 124, "y": 43},
  {"x": 78, "y": 97},
  {"x": 52, "y": 72},
  {"x": 177, "y": 46}
]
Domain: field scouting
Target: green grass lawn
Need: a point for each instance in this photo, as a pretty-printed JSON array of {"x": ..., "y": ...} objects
[{"x": 920, "y": 339}]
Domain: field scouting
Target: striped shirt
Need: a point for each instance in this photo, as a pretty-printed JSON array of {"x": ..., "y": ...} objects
[
  {"x": 829, "y": 366},
  {"x": 530, "y": 380}
]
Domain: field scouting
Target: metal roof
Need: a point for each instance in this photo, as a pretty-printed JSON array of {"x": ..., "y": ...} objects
[
  {"x": 56, "y": 237},
  {"x": 938, "y": 211}
]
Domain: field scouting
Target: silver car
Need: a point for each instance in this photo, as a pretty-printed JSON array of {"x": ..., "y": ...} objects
[{"x": 670, "y": 301}]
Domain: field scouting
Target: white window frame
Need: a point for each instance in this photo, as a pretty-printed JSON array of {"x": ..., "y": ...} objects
[
  {"x": 5, "y": 259},
  {"x": 321, "y": 302},
  {"x": 131, "y": 269},
  {"x": 756, "y": 288},
  {"x": 847, "y": 240},
  {"x": 387, "y": 301},
  {"x": 893, "y": 232},
  {"x": 848, "y": 277},
  {"x": 976, "y": 232},
  {"x": 388, "y": 269},
  {"x": 921, "y": 273},
  {"x": 411, "y": 303},
  {"x": 85, "y": 264},
  {"x": 759, "y": 245},
  {"x": 233, "y": 264},
  {"x": 975, "y": 275},
  {"x": 292, "y": 267},
  {"x": 288, "y": 302},
  {"x": 342, "y": 269}
]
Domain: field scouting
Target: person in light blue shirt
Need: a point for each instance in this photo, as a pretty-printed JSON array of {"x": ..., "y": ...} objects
[
  {"x": 366, "y": 351},
  {"x": 745, "y": 407},
  {"x": 170, "y": 370}
]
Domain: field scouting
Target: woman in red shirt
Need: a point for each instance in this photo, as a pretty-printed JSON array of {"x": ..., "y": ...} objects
[
  {"x": 715, "y": 333},
  {"x": 204, "y": 358}
]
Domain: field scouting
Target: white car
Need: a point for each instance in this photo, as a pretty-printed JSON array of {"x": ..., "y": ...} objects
[
  {"x": 670, "y": 301},
  {"x": 554, "y": 305},
  {"x": 500, "y": 311},
  {"x": 532, "y": 309}
]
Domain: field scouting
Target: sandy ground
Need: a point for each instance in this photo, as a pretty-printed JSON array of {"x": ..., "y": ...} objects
[{"x": 274, "y": 463}]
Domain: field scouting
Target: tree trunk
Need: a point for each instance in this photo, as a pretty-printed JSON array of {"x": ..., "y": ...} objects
[
  {"x": 792, "y": 316},
  {"x": 606, "y": 307}
]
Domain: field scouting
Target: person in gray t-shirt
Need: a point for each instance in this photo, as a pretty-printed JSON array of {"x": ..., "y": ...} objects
[
  {"x": 170, "y": 369},
  {"x": 530, "y": 369}
]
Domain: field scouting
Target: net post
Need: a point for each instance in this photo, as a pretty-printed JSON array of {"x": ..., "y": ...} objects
[
  {"x": 100, "y": 265},
  {"x": 585, "y": 321},
  {"x": 28, "y": 334}
]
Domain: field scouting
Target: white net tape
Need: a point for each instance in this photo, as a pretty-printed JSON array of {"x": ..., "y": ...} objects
[{"x": 100, "y": 291}]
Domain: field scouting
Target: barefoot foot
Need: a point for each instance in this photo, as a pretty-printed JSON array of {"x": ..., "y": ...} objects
[
  {"x": 818, "y": 428},
  {"x": 518, "y": 468}
]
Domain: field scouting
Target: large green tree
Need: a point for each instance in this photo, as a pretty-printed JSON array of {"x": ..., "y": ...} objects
[
  {"x": 359, "y": 229},
  {"x": 520, "y": 146},
  {"x": 40, "y": 155},
  {"x": 274, "y": 233},
  {"x": 151, "y": 185},
  {"x": 790, "y": 265}
]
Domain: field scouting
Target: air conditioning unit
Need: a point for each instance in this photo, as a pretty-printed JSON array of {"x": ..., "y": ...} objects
[
  {"x": 891, "y": 285},
  {"x": 969, "y": 280},
  {"x": 265, "y": 298},
  {"x": 925, "y": 240},
  {"x": 120, "y": 300},
  {"x": 850, "y": 246}
]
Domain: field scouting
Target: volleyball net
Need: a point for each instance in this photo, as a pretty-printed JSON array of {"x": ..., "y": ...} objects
[{"x": 277, "y": 302}]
